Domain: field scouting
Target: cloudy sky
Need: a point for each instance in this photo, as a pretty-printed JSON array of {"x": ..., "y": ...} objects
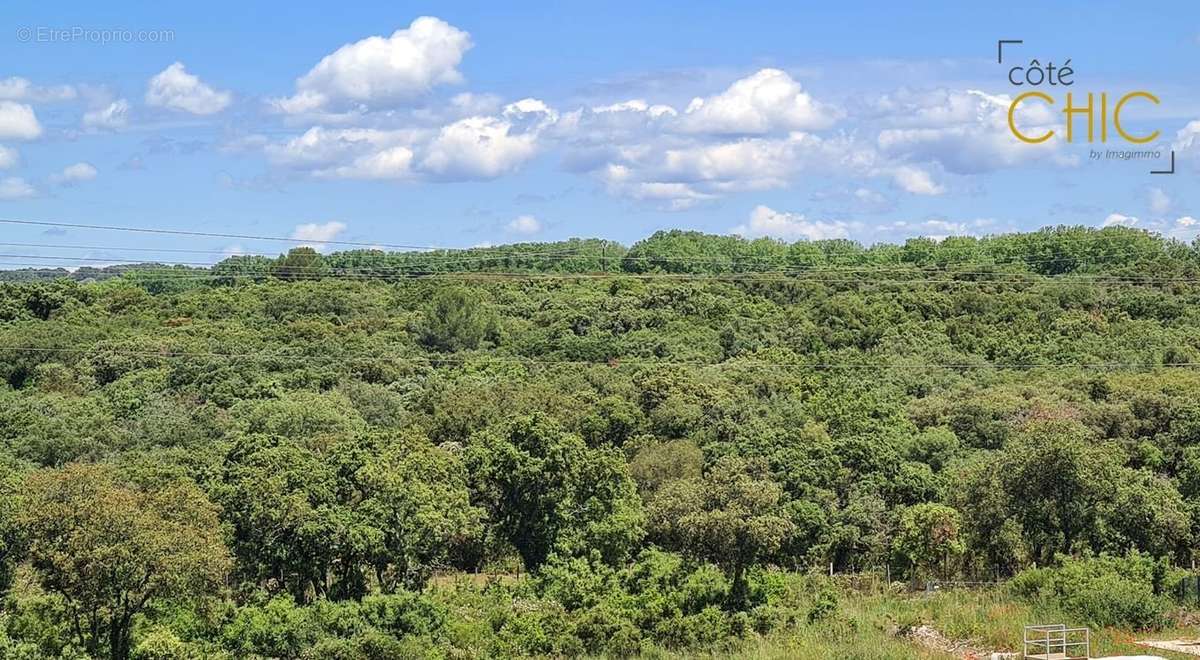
[{"x": 459, "y": 124}]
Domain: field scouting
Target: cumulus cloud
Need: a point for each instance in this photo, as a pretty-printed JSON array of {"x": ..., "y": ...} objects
[
  {"x": 389, "y": 163},
  {"x": 1188, "y": 137},
  {"x": 915, "y": 180},
  {"x": 318, "y": 234},
  {"x": 672, "y": 195},
  {"x": 637, "y": 106},
  {"x": 16, "y": 188},
  {"x": 765, "y": 221},
  {"x": 967, "y": 132},
  {"x": 322, "y": 150},
  {"x": 349, "y": 153},
  {"x": 478, "y": 147},
  {"x": 18, "y": 121},
  {"x": 697, "y": 170},
  {"x": 382, "y": 70},
  {"x": 525, "y": 224},
  {"x": 487, "y": 147},
  {"x": 177, "y": 89},
  {"x": 9, "y": 157},
  {"x": 21, "y": 89},
  {"x": 769, "y": 100},
  {"x": 1119, "y": 220},
  {"x": 111, "y": 116},
  {"x": 1185, "y": 228},
  {"x": 74, "y": 174}
]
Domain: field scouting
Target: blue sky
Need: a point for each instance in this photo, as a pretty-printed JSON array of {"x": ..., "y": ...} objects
[{"x": 458, "y": 124}]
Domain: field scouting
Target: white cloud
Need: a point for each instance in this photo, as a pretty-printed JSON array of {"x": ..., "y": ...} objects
[
  {"x": 673, "y": 196},
  {"x": 16, "y": 188},
  {"x": 391, "y": 163},
  {"x": 1184, "y": 228},
  {"x": 74, "y": 174},
  {"x": 109, "y": 117},
  {"x": 380, "y": 70},
  {"x": 1187, "y": 137},
  {"x": 1119, "y": 220},
  {"x": 319, "y": 234},
  {"x": 18, "y": 121},
  {"x": 695, "y": 171},
  {"x": 637, "y": 106},
  {"x": 525, "y": 224},
  {"x": 967, "y": 132},
  {"x": 769, "y": 100},
  {"x": 323, "y": 149},
  {"x": 937, "y": 228},
  {"x": 177, "y": 89},
  {"x": 1159, "y": 201},
  {"x": 487, "y": 147},
  {"x": 765, "y": 221},
  {"x": 9, "y": 157},
  {"x": 20, "y": 89},
  {"x": 478, "y": 147},
  {"x": 916, "y": 181}
]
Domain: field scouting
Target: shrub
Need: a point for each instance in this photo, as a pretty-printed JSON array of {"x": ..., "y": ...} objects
[
  {"x": 1103, "y": 591},
  {"x": 160, "y": 644},
  {"x": 824, "y": 606}
]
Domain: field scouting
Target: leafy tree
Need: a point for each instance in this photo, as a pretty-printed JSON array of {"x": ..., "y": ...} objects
[
  {"x": 1056, "y": 480},
  {"x": 415, "y": 498},
  {"x": 111, "y": 550},
  {"x": 301, "y": 263},
  {"x": 734, "y": 516},
  {"x": 546, "y": 492},
  {"x": 928, "y": 538},
  {"x": 455, "y": 319},
  {"x": 292, "y": 526}
]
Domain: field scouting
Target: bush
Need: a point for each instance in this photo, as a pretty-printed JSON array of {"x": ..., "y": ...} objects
[
  {"x": 161, "y": 645},
  {"x": 1118, "y": 602},
  {"x": 1103, "y": 591}
]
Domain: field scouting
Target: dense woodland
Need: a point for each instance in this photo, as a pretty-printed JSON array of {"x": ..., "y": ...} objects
[{"x": 582, "y": 448}]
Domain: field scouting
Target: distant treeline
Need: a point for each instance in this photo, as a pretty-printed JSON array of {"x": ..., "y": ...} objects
[{"x": 1049, "y": 252}]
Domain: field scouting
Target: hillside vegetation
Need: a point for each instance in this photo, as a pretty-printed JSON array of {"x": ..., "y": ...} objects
[{"x": 579, "y": 448}]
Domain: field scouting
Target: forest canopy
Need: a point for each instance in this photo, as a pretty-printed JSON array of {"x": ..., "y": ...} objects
[{"x": 289, "y": 457}]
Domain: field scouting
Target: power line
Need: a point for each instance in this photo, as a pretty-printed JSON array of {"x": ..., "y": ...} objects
[
  {"x": 248, "y": 237},
  {"x": 980, "y": 244}
]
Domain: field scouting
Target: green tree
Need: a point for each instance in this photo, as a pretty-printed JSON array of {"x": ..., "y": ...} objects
[
  {"x": 301, "y": 263},
  {"x": 416, "y": 499},
  {"x": 292, "y": 526},
  {"x": 111, "y": 550},
  {"x": 1056, "y": 481},
  {"x": 928, "y": 538},
  {"x": 734, "y": 516},
  {"x": 546, "y": 491},
  {"x": 455, "y": 319}
]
